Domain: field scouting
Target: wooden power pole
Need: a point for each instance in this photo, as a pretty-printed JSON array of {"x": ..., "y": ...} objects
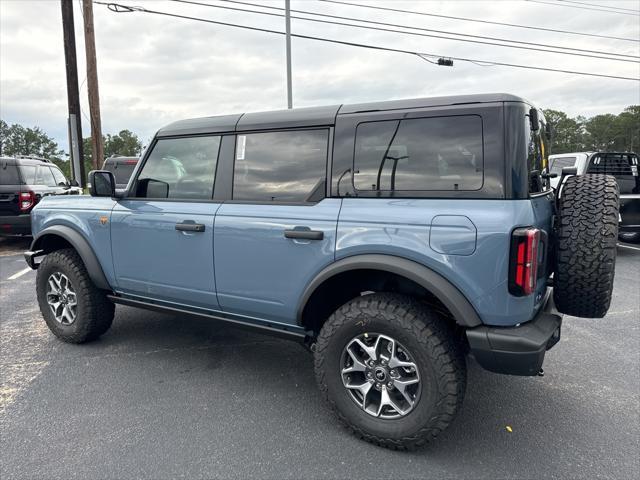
[
  {"x": 92, "y": 85},
  {"x": 73, "y": 95}
]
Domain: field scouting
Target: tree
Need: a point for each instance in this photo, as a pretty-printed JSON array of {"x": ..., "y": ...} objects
[
  {"x": 568, "y": 133},
  {"x": 18, "y": 140},
  {"x": 628, "y": 129},
  {"x": 124, "y": 143}
]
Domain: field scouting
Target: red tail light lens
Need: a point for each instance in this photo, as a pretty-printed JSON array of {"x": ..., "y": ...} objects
[
  {"x": 523, "y": 264},
  {"x": 27, "y": 200}
]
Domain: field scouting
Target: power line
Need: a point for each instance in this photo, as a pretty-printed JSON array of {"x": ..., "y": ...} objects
[
  {"x": 557, "y": 4},
  {"x": 481, "y": 42},
  {"x": 466, "y": 19},
  {"x": 305, "y": 12},
  {"x": 603, "y": 6},
  {"x": 117, "y": 8}
]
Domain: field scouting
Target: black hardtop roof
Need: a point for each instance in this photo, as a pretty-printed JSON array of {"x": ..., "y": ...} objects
[{"x": 316, "y": 116}]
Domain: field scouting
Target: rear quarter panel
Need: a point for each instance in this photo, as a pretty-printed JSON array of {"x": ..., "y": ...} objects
[{"x": 406, "y": 228}]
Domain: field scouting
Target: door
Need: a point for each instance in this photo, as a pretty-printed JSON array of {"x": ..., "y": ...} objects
[
  {"x": 162, "y": 236},
  {"x": 278, "y": 231}
]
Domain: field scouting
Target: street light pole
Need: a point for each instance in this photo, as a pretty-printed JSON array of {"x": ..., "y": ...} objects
[{"x": 287, "y": 8}]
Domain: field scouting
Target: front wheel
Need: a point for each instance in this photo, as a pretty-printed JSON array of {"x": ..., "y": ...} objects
[
  {"x": 391, "y": 370},
  {"x": 75, "y": 310}
]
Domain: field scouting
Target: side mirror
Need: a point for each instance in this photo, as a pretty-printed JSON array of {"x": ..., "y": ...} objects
[
  {"x": 74, "y": 183},
  {"x": 534, "y": 119},
  {"x": 102, "y": 183},
  {"x": 569, "y": 171}
]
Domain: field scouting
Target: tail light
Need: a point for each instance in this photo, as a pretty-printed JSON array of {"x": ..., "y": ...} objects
[
  {"x": 523, "y": 262},
  {"x": 27, "y": 200}
]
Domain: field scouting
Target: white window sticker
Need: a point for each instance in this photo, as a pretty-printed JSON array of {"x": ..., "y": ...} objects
[{"x": 242, "y": 142}]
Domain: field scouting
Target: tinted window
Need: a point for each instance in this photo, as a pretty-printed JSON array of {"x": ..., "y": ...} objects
[
  {"x": 557, "y": 164},
  {"x": 122, "y": 171},
  {"x": 440, "y": 153},
  {"x": 45, "y": 177},
  {"x": 58, "y": 176},
  {"x": 280, "y": 166},
  {"x": 9, "y": 175},
  {"x": 28, "y": 174},
  {"x": 180, "y": 168}
]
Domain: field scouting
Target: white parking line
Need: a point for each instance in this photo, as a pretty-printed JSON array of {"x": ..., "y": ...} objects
[
  {"x": 19, "y": 274},
  {"x": 628, "y": 246}
]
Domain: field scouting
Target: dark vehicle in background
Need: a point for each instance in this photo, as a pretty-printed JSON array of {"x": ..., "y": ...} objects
[
  {"x": 624, "y": 167},
  {"x": 23, "y": 182},
  {"x": 122, "y": 168}
]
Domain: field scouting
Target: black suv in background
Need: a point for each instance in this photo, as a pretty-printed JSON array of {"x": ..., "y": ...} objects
[
  {"x": 23, "y": 182},
  {"x": 122, "y": 168}
]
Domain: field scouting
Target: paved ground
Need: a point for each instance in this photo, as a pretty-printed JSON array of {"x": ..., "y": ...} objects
[{"x": 161, "y": 396}]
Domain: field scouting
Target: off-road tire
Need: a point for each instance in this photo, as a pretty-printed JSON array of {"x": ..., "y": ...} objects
[
  {"x": 437, "y": 353},
  {"x": 587, "y": 231},
  {"x": 94, "y": 311}
]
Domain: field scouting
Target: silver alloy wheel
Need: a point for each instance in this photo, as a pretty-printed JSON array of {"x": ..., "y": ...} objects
[
  {"x": 61, "y": 298},
  {"x": 380, "y": 375}
]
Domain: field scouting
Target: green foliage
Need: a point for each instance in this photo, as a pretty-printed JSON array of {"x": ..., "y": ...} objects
[
  {"x": 125, "y": 143},
  {"x": 18, "y": 140},
  {"x": 608, "y": 132}
]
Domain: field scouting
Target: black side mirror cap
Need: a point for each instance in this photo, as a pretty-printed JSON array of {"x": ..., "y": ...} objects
[
  {"x": 534, "y": 119},
  {"x": 73, "y": 183},
  {"x": 102, "y": 183},
  {"x": 569, "y": 171}
]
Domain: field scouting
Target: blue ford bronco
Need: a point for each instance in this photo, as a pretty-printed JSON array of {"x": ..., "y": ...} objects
[{"x": 394, "y": 239}]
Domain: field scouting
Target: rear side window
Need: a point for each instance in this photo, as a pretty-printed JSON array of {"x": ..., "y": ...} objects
[
  {"x": 28, "y": 173},
  {"x": 180, "y": 168},
  {"x": 557, "y": 164},
  {"x": 618, "y": 164},
  {"x": 438, "y": 153},
  {"x": 281, "y": 166},
  {"x": 9, "y": 175},
  {"x": 121, "y": 171}
]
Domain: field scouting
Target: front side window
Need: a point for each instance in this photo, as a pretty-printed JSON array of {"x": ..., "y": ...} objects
[
  {"x": 437, "y": 153},
  {"x": 280, "y": 166},
  {"x": 59, "y": 177},
  {"x": 180, "y": 168},
  {"x": 45, "y": 177}
]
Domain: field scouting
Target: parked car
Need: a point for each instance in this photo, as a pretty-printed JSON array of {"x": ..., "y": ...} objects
[
  {"x": 122, "y": 168},
  {"x": 621, "y": 165},
  {"x": 392, "y": 238},
  {"x": 23, "y": 182}
]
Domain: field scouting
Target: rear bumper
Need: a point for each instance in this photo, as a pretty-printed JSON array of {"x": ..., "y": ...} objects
[
  {"x": 517, "y": 350},
  {"x": 15, "y": 224}
]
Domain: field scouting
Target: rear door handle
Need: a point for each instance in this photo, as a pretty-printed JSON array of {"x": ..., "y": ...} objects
[
  {"x": 190, "y": 227},
  {"x": 304, "y": 234}
]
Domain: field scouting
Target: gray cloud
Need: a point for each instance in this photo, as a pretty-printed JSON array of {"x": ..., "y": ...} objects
[{"x": 154, "y": 70}]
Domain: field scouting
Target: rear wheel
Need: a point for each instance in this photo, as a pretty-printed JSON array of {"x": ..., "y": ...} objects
[
  {"x": 75, "y": 310},
  {"x": 586, "y": 245},
  {"x": 390, "y": 369}
]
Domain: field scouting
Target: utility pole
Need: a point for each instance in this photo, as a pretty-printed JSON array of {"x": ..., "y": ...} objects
[
  {"x": 73, "y": 96},
  {"x": 287, "y": 16},
  {"x": 92, "y": 85}
]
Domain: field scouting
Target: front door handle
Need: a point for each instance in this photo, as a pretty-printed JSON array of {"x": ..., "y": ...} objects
[
  {"x": 190, "y": 227},
  {"x": 304, "y": 233}
]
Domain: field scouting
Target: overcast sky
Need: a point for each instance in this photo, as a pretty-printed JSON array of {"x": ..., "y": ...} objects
[{"x": 156, "y": 69}]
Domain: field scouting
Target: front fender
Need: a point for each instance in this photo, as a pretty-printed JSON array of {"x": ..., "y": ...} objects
[{"x": 80, "y": 244}]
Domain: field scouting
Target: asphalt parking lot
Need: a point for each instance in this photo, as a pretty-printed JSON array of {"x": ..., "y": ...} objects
[{"x": 163, "y": 397}]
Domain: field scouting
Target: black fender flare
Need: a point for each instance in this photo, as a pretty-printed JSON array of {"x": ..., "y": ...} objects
[
  {"x": 81, "y": 245},
  {"x": 452, "y": 298}
]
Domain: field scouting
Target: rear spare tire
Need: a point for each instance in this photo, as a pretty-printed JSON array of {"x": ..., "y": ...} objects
[{"x": 587, "y": 231}]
